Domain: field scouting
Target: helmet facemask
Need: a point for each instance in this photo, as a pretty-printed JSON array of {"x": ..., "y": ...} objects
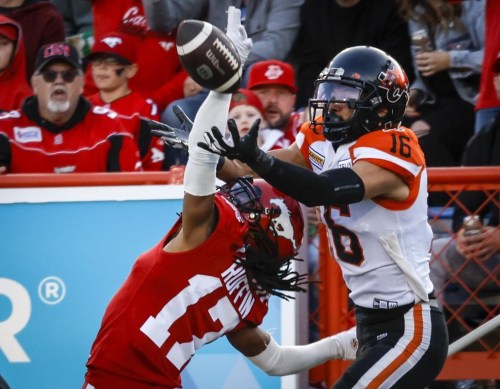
[{"x": 361, "y": 97}]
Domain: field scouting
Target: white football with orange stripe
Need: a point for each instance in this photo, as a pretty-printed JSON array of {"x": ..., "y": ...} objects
[{"x": 209, "y": 56}]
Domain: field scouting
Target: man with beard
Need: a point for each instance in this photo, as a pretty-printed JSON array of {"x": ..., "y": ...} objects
[
  {"x": 273, "y": 82},
  {"x": 57, "y": 130}
]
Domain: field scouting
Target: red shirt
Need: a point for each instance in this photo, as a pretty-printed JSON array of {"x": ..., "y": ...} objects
[
  {"x": 289, "y": 130},
  {"x": 160, "y": 73},
  {"x": 130, "y": 108},
  {"x": 91, "y": 142},
  {"x": 14, "y": 87},
  {"x": 171, "y": 305},
  {"x": 487, "y": 94}
]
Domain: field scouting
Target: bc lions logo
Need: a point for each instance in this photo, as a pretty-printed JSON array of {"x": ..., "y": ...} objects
[
  {"x": 112, "y": 41},
  {"x": 395, "y": 82}
]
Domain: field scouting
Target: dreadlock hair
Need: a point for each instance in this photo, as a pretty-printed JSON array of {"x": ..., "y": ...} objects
[{"x": 269, "y": 272}]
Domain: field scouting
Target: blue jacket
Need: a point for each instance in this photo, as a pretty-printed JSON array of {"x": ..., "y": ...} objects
[{"x": 465, "y": 45}]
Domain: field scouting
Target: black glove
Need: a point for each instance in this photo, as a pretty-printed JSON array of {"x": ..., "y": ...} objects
[
  {"x": 174, "y": 137},
  {"x": 245, "y": 149}
]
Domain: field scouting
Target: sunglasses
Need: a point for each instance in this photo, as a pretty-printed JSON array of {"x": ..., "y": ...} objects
[{"x": 67, "y": 75}]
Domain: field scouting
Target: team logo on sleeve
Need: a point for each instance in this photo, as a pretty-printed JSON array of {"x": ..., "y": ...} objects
[{"x": 316, "y": 158}]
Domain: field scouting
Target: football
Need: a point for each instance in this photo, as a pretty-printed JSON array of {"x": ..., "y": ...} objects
[{"x": 208, "y": 55}]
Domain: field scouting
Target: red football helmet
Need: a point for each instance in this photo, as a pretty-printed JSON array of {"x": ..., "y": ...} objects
[{"x": 269, "y": 211}]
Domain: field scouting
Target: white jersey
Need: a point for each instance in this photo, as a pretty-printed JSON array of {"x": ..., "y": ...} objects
[{"x": 382, "y": 246}]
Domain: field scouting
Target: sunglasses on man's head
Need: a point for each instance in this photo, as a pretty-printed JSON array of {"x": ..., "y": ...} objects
[{"x": 67, "y": 75}]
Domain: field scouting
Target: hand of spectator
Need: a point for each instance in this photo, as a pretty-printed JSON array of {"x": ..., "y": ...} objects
[
  {"x": 431, "y": 62},
  {"x": 420, "y": 128},
  {"x": 3, "y": 169},
  {"x": 191, "y": 87},
  {"x": 413, "y": 103},
  {"x": 480, "y": 246}
]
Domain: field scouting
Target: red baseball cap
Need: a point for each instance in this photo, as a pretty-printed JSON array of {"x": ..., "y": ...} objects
[
  {"x": 9, "y": 31},
  {"x": 272, "y": 72},
  {"x": 246, "y": 97},
  {"x": 115, "y": 45}
]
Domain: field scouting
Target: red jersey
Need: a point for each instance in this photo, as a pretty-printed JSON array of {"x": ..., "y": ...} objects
[
  {"x": 171, "y": 305},
  {"x": 487, "y": 94},
  {"x": 130, "y": 108},
  {"x": 90, "y": 142}
]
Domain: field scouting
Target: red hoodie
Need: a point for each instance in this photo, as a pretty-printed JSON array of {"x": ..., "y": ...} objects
[
  {"x": 14, "y": 87},
  {"x": 41, "y": 24}
]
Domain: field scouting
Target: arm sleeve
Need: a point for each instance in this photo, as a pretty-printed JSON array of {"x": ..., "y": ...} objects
[
  {"x": 199, "y": 177},
  {"x": 5, "y": 151},
  {"x": 336, "y": 186},
  {"x": 279, "y": 360}
]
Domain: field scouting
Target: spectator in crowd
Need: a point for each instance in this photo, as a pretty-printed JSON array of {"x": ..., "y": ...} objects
[
  {"x": 113, "y": 64},
  {"x": 41, "y": 24},
  {"x": 273, "y": 82},
  {"x": 472, "y": 255},
  {"x": 447, "y": 47},
  {"x": 245, "y": 109},
  {"x": 77, "y": 16},
  {"x": 160, "y": 74},
  {"x": 231, "y": 250},
  {"x": 469, "y": 264},
  {"x": 13, "y": 85},
  {"x": 487, "y": 104},
  {"x": 327, "y": 27},
  {"x": 57, "y": 130},
  {"x": 367, "y": 173},
  {"x": 271, "y": 24}
]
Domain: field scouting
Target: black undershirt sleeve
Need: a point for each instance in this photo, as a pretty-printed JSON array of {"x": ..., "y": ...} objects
[
  {"x": 114, "y": 153},
  {"x": 336, "y": 186},
  {"x": 5, "y": 151}
]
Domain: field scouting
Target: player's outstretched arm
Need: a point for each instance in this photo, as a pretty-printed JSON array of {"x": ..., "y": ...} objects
[{"x": 263, "y": 351}]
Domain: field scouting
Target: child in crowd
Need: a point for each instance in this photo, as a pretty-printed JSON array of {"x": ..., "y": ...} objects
[
  {"x": 245, "y": 108},
  {"x": 14, "y": 87},
  {"x": 113, "y": 64}
]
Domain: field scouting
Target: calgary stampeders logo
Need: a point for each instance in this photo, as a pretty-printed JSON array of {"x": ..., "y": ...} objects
[
  {"x": 56, "y": 49},
  {"x": 135, "y": 17},
  {"x": 395, "y": 81}
]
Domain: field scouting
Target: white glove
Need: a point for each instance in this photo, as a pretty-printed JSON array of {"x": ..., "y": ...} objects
[
  {"x": 237, "y": 33},
  {"x": 346, "y": 344}
]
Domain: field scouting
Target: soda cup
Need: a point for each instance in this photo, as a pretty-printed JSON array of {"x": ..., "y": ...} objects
[
  {"x": 472, "y": 225},
  {"x": 420, "y": 42}
]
